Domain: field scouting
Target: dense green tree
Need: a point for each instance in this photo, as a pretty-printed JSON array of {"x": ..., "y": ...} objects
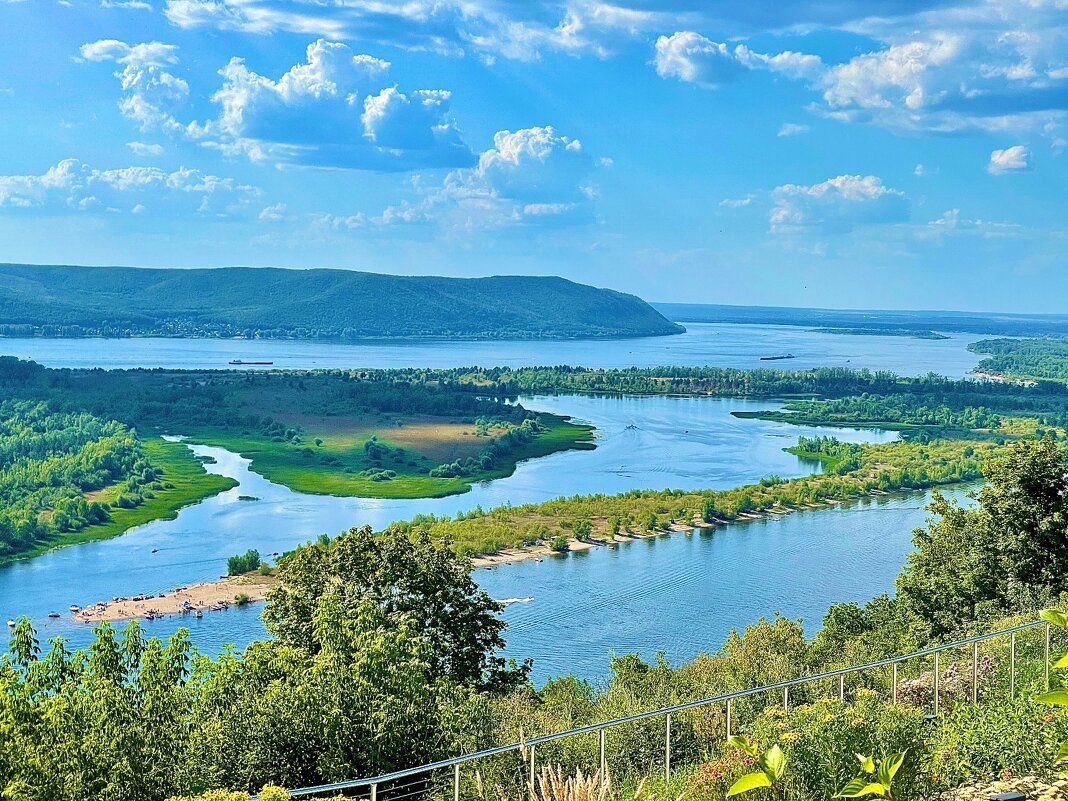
[
  {"x": 408, "y": 576},
  {"x": 1009, "y": 552}
]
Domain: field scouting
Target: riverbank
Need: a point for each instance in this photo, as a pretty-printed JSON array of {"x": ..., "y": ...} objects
[
  {"x": 511, "y": 556},
  {"x": 195, "y": 599},
  {"x": 180, "y": 467}
]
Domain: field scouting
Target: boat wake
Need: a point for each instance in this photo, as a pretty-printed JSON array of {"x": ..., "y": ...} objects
[{"x": 510, "y": 601}]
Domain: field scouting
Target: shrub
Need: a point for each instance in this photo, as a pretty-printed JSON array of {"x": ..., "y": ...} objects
[
  {"x": 560, "y": 543},
  {"x": 268, "y": 793},
  {"x": 711, "y": 780},
  {"x": 822, "y": 739},
  {"x": 981, "y": 742}
]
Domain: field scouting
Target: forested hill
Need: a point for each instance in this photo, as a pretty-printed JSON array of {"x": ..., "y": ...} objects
[{"x": 125, "y": 301}]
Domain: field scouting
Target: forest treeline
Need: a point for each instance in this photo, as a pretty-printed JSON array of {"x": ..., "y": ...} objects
[
  {"x": 385, "y": 654},
  {"x": 1024, "y": 359},
  {"x": 50, "y": 461},
  {"x": 266, "y": 411}
]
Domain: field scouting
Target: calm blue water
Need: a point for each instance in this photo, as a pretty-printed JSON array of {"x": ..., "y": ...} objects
[
  {"x": 680, "y": 594},
  {"x": 738, "y": 346},
  {"x": 674, "y": 442}
]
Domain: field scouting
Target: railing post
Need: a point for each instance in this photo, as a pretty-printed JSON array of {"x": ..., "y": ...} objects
[
  {"x": 667, "y": 749},
  {"x": 456, "y": 782},
  {"x": 841, "y": 687},
  {"x": 1045, "y": 660},
  {"x": 728, "y": 718},
  {"x": 786, "y": 698},
  {"x": 936, "y": 678},
  {"x": 894, "y": 680},
  {"x": 975, "y": 672},
  {"x": 1012, "y": 665},
  {"x": 532, "y": 774},
  {"x": 602, "y": 763},
  {"x": 374, "y": 792}
]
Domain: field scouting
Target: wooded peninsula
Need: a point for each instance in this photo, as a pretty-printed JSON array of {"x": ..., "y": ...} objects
[{"x": 82, "y": 458}]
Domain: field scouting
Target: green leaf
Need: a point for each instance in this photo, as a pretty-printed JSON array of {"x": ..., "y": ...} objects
[
  {"x": 773, "y": 763},
  {"x": 860, "y": 787},
  {"x": 893, "y": 765},
  {"x": 1058, "y": 619},
  {"x": 743, "y": 743},
  {"x": 1055, "y": 698},
  {"x": 1062, "y": 753},
  {"x": 750, "y": 781},
  {"x": 1062, "y": 662},
  {"x": 867, "y": 764}
]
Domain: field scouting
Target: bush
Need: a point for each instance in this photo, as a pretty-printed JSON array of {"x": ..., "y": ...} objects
[
  {"x": 986, "y": 741},
  {"x": 268, "y": 793},
  {"x": 712, "y": 779},
  {"x": 822, "y": 739},
  {"x": 560, "y": 543}
]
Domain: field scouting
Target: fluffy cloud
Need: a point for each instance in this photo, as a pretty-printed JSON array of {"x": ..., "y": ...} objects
[
  {"x": 836, "y": 206},
  {"x": 151, "y": 94},
  {"x": 334, "y": 109},
  {"x": 1012, "y": 159},
  {"x": 72, "y": 186},
  {"x": 993, "y": 66},
  {"x": 147, "y": 54},
  {"x": 533, "y": 176},
  {"x": 691, "y": 57}
]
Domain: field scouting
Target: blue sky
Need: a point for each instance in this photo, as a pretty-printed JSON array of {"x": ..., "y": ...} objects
[{"x": 890, "y": 153}]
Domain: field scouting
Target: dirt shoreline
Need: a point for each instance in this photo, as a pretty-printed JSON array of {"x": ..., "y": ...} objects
[{"x": 206, "y": 596}]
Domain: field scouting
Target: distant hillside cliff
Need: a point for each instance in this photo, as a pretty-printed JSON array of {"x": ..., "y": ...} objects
[{"x": 60, "y": 301}]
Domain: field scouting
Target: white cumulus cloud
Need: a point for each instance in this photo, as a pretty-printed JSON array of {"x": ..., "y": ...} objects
[
  {"x": 836, "y": 205},
  {"x": 151, "y": 93},
  {"x": 335, "y": 109},
  {"x": 533, "y": 176},
  {"x": 693, "y": 58},
  {"x": 73, "y": 186},
  {"x": 1012, "y": 159}
]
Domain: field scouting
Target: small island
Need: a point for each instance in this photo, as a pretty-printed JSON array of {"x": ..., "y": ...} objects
[{"x": 908, "y": 333}]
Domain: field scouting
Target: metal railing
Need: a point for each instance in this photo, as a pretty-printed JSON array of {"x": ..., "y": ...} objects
[{"x": 399, "y": 789}]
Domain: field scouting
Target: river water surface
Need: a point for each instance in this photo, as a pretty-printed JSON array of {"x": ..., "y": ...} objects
[
  {"x": 680, "y": 594},
  {"x": 721, "y": 345}
]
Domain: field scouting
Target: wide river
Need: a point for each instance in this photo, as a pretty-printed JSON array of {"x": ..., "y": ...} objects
[
  {"x": 679, "y": 594},
  {"x": 720, "y": 345}
]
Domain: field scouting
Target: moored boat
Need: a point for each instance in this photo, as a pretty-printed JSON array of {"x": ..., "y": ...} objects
[{"x": 777, "y": 358}]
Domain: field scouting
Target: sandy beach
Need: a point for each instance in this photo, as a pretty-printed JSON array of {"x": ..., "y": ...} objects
[
  {"x": 216, "y": 596},
  {"x": 208, "y": 596}
]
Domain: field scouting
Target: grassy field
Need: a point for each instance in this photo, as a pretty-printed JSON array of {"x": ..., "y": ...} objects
[
  {"x": 331, "y": 457},
  {"x": 192, "y": 484}
]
